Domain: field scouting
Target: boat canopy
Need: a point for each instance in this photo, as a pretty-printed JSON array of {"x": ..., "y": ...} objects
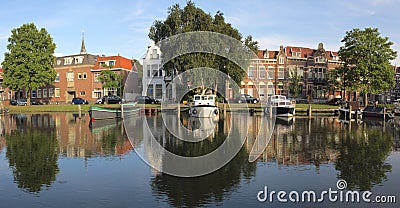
[{"x": 204, "y": 100}]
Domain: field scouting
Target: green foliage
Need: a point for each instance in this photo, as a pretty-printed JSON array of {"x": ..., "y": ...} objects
[
  {"x": 295, "y": 86},
  {"x": 110, "y": 79},
  {"x": 28, "y": 64},
  {"x": 33, "y": 156},
  {"x": 190, "y": 19},
  {"x": 366, "y": 56}
]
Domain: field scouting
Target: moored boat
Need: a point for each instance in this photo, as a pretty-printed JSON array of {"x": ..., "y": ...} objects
[
  {"x": 376, "y": 112},
  {"x": 203, "y": 106},
  {"x": 280, "y": 105},
  {"x": 350, "y": 111},
  {"x": 98, "y": 113}
]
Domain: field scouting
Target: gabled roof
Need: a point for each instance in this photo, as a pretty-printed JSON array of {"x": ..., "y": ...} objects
[
  {"x": 271, "y": 54},
  {"x": 120, "y": 62}
]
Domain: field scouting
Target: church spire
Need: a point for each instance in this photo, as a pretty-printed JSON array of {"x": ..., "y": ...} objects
[{"x": 83, "y": 48}]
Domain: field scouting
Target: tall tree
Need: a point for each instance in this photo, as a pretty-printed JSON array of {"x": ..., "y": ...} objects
[
  {"x": 110, "y": 79},
  {"x": 28, "y": 64},
  {"x": 190, "y": 19},
  {"x": 366, "y": 56},
  {"x": 295, "y": 86}
]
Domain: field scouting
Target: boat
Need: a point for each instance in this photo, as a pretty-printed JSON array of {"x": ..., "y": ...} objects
[
  {"x": 376, "y": 112},
  {"x": 203, "y": 106},
  {"x": 350, "y": 111},
  {"x": 280, "y": 105},
  {"x": 124, "y": 110}
]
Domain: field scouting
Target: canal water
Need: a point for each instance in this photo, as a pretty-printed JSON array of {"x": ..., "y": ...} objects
[{"x": 60, "y": 160}]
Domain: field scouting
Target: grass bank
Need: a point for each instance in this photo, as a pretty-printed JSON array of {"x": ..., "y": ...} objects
[{"x": 51, "y": 108}]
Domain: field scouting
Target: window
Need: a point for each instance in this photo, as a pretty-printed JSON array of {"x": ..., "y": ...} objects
[
  {"x": 39, "y": 93},
  {"x": 160, "y": 72},
  {"x": 263, "y": 72},
  {"x": 281, "y": 60},
  {"x": 158, "y": 91},
  {"x": 33, "y": 95},
  {"x": 57, "y": 78},
  {"x": 44, "y": 93},
  {"x": 250, "y": 73},
  {"x": 51, "y": 92},
  {"x": 102, "y": 63},
  {"x": 70, "y": 76},
  {"x": 154, "y": 70},
  {"x": 57, "y": 92},
  {"x": 96, "y": 77},
  {"x": 154, "y": 54},
  {"x": 281, "y": 73},
  {"x": 79, "y": 75},
  {"x": 111, "y": 63},
  {"x": 84, "y": 75},
  {"x": 82, "y": 93},
  {"x": 68, "y": 61},
  {"x": 78, "y": 59},
  {"x": 150, "y": 90},
  {"x": 97, "y": 93},
  {"x": 148, "y": 71},
  {"x": 271, "y": 72},
  {"x": 58, "y": 62},
  {"x": 270, "y": 89}
]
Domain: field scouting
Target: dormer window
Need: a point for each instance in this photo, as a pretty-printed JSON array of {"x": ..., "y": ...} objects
[
  {"x": 281, "y": 60},
  {"x": 111, "y": 63},
  {"x": 68, "y": 61},
  {"x": 58, "y": 62},
  {"x": 265, "y": 54},
  {"x": 154, "y": 54},
  {"x": 296, "y": 54},
  {"x": 78, "y": 59}
]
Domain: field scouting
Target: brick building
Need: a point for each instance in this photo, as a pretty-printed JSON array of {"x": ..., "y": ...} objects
[
  {"x": 269, "y": 73},
  {"x": 77, "y": 76}
]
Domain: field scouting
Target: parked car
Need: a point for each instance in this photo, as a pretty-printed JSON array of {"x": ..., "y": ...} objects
[
  {"x": 243, "y": 98},
  {"x": 79, "y": 101},
  {"x": 336, "y": 101},
  {"x": 21, "y": 102},
  {"x": 145, "y": 100},
  {"x": 36, "y": 102},
  {"x": 111, "y": 99},
  {"x": 13, "y": 102}
]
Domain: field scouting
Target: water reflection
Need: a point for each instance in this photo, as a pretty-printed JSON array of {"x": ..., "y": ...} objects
[
  {"x": 357, "y": 150},
  {"x": 35, "y": 142},
  {"x": 32, "y": 156}
]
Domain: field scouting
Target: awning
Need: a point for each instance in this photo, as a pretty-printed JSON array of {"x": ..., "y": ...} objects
[{"x": 250, "y": 83}]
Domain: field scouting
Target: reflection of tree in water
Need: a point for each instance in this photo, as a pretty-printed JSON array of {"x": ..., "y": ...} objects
[
  {"x": 112, "y": 140},
  {"x": 208, "y": 189},
  {"x": 33, "y": 158},
  {"x": 362, "y": 155}
]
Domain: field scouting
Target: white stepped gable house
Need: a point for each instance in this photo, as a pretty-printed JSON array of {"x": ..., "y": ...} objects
[{"x": 153, "y": 74}]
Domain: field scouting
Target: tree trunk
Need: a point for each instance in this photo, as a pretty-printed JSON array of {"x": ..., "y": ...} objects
[
  {"x": 365, "y": 99},
  {"x": 28, "y": 98}
]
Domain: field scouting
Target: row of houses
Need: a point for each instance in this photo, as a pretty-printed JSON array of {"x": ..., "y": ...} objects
[
  {"x": 77, "y": 76},
  {"x": 268, "y": 74}
]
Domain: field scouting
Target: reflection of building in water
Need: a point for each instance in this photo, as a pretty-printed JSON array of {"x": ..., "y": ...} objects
[
  {"x": 293, "y": 145},
  {"x": 75, "y": 138}
]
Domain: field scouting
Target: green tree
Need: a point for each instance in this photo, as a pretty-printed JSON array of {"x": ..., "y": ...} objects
[
  {"x": 190, "y": 19},
  {"x": 366, "y": 60},
  {"x": 28, "y": 64},
  {"x": 110, "y": 79},
  {"x": 295, "y": 85}
]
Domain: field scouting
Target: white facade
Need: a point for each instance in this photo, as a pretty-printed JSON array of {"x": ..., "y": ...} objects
[{"x": 153, "y": 74}]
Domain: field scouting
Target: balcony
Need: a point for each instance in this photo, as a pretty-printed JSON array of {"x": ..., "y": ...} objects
[
  {"x": 319, "y": 81},
  {"x": 70, "y": 86}
]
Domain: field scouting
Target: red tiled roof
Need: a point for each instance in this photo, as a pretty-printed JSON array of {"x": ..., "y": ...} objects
[
  {"x": 120, "y": 62},
  {"x": 271, "y": 54}
]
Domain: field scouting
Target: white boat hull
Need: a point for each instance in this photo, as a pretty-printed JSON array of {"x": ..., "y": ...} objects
[{"x": 203, "y": 111}]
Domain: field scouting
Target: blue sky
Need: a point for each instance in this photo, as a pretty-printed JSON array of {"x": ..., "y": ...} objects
[{"x": 121, "y": 26}]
